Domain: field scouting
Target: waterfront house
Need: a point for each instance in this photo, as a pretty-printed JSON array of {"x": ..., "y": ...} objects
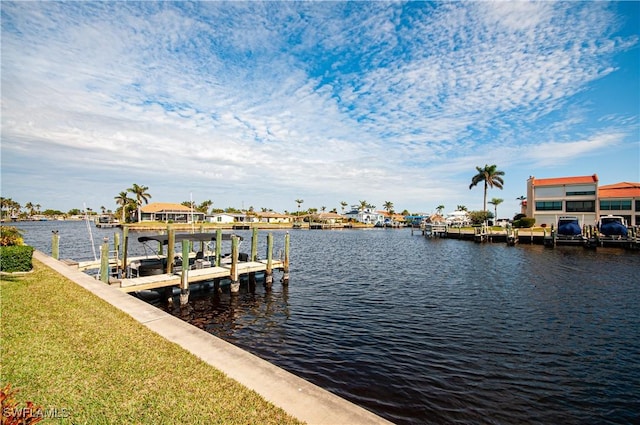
[
  {"x": 273, "y": 217},
  {"x": 550, "y": 198},
  {"x": 365, "y": 215},
  {"x": 622, "y": 199},
  {"x": 167, "y": 212}
]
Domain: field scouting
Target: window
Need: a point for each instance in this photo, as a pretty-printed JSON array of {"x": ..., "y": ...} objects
[
  {"x": 616, "y": 204},
  {"x": 581, "y": 206},
  {"x": 637, "y": 205},
  {"x": 581, "y": 192},
  {"x": 549, "y": 205}
]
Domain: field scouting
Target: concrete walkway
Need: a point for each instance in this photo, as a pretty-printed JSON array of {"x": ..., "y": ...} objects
[{"x": 299, "y": 398}]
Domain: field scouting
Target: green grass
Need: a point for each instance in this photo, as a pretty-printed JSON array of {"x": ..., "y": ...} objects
[{"x": 64, "y": 348}]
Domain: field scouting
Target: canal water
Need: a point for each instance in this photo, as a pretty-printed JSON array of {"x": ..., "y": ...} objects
[{"x": 435, "y": 331}]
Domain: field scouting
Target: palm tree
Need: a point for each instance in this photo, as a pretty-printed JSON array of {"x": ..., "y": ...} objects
[
  {"x": 343, "y": 204},
  {"x": 363, "y": 205},
  {"x": 123, "y": 200},
  {"x": 439, "y": 209},
  {"x": 495, "y": 202},
  {"x": 299, "y": 202},
  {"x": 141, "y": 195},
  {"x": 522, "y": 199},
  {"x": 491, "y": 176}
]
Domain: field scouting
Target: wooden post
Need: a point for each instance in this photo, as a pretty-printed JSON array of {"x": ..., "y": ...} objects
[
  {"x": 268, "y": 273},
  {"x": 184, "y": 282},
  {"x": 285, "y": 276},
  {"x": 235, "y": 281},
  {"x": 218, "y": 246},
  {"x": 116, "y": 247},
  {"x": 202, "y": 244},
  {"x": 125, "y": 244},
  {"x": 254, "y": 244},
  {"x": 170, "y": 248},
  {"x": 104, "y": 261},
  {"x": 55, "y": 245}
]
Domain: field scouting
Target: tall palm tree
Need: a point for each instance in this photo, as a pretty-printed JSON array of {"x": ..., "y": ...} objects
[
  {"x": 495, "y": 202},
  {"x": 522, "y": 208},
  {"x": 491, "y": 176},
  {"x": 343, "y": 204},
  {"x": 141, "y": 196},
  {"x": 123, "y": 200},
  {"x": 363, "y": 205},
  {"x": 299, "y": 202}
]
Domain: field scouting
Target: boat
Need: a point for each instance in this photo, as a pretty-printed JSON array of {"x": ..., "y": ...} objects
[
  {"x": 568, "y": 232},
  {"x": 569, "y": 227},
  {"x": 106, "y": 221},
  {"x": 458, "y": 218},
  {"x": 613, "y": 226},
  {"x": 154, "y": 264}
]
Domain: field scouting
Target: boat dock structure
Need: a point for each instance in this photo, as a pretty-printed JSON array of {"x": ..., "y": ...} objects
[
  {"x": 192, "y": 265},
  {"x": 590, "y": 237}
]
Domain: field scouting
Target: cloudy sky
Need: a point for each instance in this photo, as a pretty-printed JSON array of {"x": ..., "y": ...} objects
[{"x": 259, "y": 104}]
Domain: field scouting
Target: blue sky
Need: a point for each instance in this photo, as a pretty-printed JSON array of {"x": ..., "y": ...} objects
[{"x": 259, "y": 104}]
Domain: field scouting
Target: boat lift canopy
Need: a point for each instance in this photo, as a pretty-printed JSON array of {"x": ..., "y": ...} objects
[{"x": 179, "y": 237}]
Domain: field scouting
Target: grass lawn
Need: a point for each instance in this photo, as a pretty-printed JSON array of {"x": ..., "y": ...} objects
[{"x": 63, "y": 348}]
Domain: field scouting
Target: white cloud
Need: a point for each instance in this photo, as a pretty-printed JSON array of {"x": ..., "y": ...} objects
[{"x": 295, "y": 98}]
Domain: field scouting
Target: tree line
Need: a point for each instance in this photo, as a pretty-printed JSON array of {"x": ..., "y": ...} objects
[{"x": 131, "y": 200}]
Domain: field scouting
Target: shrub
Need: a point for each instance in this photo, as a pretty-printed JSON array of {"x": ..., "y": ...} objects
[
  {"x": 16, "y": 258},
  {"x": 524, "y": 222},
  {"x": 10, "y": 236}
]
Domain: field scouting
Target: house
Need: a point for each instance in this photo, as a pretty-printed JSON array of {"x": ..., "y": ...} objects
[
  {"x": 365, "y": 215},
  {"x": 273, "y": 217},
  {"x": 326, "y": 217},
  {"x": 621, "y": 199},
  {"x": 167, "y": 212},
  {"x": 548, "y": 199},
  {"x": 580, "y": 196}
]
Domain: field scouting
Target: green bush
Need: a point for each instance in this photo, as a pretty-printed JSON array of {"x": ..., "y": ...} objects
[
  {"x": 524, "y": 222},
  {"x": 16, "y": 258}
]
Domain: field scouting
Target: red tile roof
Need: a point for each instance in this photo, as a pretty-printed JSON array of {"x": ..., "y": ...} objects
[
  {"x": 558, "y": 181},
  {"x": 620, "y": 190}
]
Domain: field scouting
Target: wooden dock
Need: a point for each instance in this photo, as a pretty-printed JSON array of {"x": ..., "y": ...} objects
[{"x": 196, "y": 275}]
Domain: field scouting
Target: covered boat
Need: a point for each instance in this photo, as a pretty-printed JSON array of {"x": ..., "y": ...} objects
[
  {"x": 612, "y": 225},
  {"x": 569, "y": 226}
]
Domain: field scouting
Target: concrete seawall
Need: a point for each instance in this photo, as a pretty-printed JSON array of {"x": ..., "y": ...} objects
[{"x": 299, "y": 398}]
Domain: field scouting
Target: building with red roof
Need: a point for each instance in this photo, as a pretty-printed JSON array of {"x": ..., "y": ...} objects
[{"x": 580, "y": 196}]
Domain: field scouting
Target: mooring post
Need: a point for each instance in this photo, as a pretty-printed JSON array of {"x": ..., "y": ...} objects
[
  {"x": 268, "y": 273},
  {"x": 202, "y": 244},
  {"x": 218, "y": 246},
  {"x": 184, "y": 281},
  {"x": 170, "y": 248},
  {"x": 125, "y": 244},
  {"x": 285, "y": 276},
  {"x": 116, "y": 247},
  {"x": 235, "y": 281},
  {"x": 55, "y": 245},
  {"x": 104, "y": 261},
  {"x": 254, "y": 244}
]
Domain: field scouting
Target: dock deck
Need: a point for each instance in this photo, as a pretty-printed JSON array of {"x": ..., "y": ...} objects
[{"x": 195, "y": 275}]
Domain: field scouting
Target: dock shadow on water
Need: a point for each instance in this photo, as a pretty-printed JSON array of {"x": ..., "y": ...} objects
[{"x": 437, "y": 331}]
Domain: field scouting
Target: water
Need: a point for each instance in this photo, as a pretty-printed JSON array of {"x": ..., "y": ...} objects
[{"x": 437, "y": 331}]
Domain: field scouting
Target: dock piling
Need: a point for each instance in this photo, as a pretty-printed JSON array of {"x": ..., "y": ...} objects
[
  {"x": 235, "y": 281},
  {"x": 184, "y": 282},
  {"x": 170, "y": 248},
  {"x": 55, "y": 244},
  {"x": 104, "y": 261},
  {"x": 268, "y": 274},
  {"x": 285, "y": 275}
]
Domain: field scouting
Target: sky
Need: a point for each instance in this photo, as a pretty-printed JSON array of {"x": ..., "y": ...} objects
[{"x": 258, "y": 104}]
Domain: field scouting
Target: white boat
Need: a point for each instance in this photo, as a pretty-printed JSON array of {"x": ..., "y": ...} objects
[
  {"x": 613, "y": 226},
  {"x": 458, "y": 218},
  {"x": 106, "y": 221}
]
